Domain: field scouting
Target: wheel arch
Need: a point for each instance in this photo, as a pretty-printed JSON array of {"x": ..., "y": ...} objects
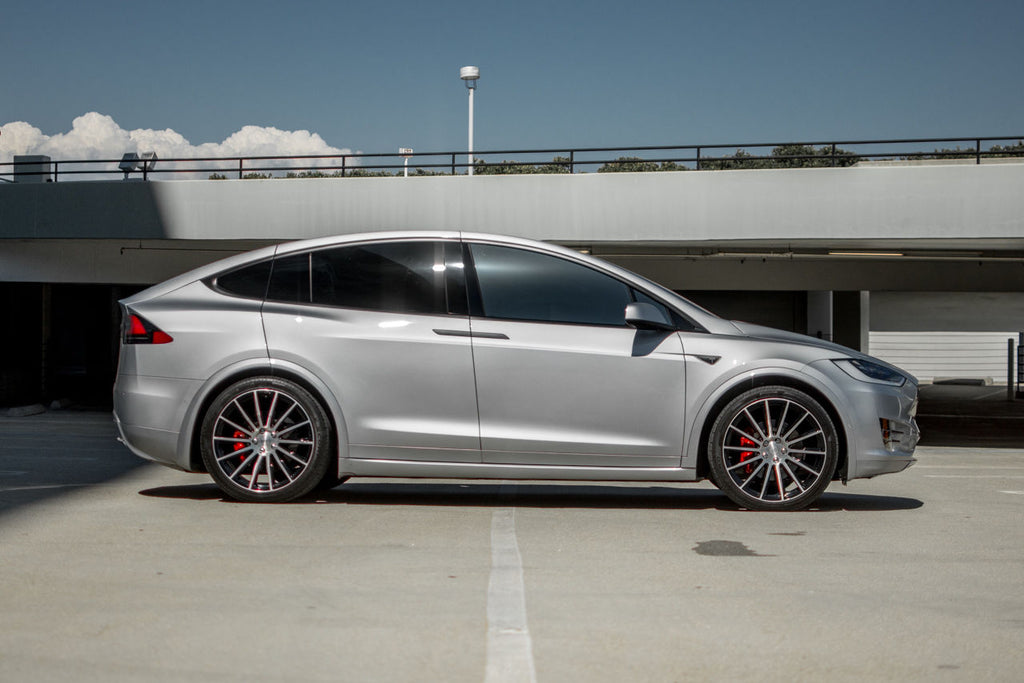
[
  {"x": 767, "y": 379},
  {"x": 216, "y": 384}
]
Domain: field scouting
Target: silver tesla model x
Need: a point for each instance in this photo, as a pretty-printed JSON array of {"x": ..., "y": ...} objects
[{"x": 459, "y": 355}]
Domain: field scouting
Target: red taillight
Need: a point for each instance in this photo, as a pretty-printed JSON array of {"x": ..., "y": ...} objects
[
  {"x": 140, "y": 331},
  {"x": 136, "y": 328}
]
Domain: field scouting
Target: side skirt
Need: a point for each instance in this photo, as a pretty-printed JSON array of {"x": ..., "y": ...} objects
[{"x": 358, "y": 467}]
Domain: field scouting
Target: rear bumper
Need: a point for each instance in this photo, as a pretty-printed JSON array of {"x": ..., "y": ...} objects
[
  {"x": 149, "y": 444},
  {"x": 149, "y": 412}
]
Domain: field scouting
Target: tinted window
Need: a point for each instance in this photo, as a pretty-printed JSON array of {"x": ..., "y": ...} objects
[
  {"x": 402, "y": 277},
  {"x": 250, "y": 281},
  {"x": 526, "y": 285},
  {"x": 290, "y": 279}
]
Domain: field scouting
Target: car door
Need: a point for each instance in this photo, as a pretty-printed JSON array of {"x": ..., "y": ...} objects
[
  {"x": 384, "y": 325},
  {"x": 561, "y": 379}
]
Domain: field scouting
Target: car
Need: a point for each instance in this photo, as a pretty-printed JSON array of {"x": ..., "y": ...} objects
[{"x": 450, "y": 354}]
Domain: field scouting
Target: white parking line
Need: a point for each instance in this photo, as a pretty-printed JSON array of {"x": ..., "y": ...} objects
[
  {"x": 509, "y": 649},
  {"x": 40, "y": 487},
  {"x": 987, "y": 417},
  {"x": 1016, "y": 493},
  {"x": 969, "y": 467},
  {"x": 974, "y": 476}
]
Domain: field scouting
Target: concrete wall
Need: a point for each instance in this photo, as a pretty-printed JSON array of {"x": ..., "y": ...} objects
[
  {"x": 948, "y": 311},
  {"x": 818, "y": 205},
  {"x": 143, "y": 232}
]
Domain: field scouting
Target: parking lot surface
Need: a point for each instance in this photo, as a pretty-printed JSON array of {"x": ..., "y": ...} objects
[{"x": 118, "y": 570}]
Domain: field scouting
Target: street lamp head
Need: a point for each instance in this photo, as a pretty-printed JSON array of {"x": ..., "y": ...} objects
[{"x": 469, "y": 74}]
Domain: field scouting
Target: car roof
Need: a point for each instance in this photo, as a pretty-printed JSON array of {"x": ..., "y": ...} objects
[{"x": 703, "y": 317}]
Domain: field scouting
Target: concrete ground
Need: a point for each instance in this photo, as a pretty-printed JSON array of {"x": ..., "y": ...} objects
[{"x": 114, "y": 570}]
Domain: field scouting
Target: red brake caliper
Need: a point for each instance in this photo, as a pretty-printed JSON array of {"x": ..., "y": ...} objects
[
  {"x": 240, "y": 444},
  {"x": 745, "y": 455}
]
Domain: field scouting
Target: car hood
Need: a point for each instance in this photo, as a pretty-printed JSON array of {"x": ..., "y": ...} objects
[
  {"x": 762, "y": 332},
  {"x": 840, "y": 351}
]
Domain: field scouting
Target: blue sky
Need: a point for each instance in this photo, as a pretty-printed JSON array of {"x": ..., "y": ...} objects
[{"x": 375, "y": 75}]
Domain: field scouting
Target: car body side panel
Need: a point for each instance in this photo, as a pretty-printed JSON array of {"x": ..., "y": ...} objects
[
  {"x": 569, "y": 394},
  {"x": 858, "y": 405},
  {"x": 156, "y": 383},
  {"x": 399, "y": 382},
  {"x": 210, "y": 330}
]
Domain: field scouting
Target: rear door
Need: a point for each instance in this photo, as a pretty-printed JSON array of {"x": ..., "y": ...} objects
[{"x": 384, "y": 325}]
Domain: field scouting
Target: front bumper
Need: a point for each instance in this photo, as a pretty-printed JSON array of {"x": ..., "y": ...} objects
[{"x": 881, "y": 433}]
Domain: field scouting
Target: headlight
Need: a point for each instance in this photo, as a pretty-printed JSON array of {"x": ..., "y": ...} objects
[{"x": 866, "y": 371}]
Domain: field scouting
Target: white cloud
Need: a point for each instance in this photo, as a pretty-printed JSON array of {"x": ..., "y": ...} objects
[{"x": 97, "y": 136}]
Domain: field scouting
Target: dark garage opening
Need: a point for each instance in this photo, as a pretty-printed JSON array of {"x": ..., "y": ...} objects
[{"x": 61, "y": 343}]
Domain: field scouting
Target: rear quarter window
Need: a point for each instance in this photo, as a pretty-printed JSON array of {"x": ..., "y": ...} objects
[{"x": 249, "y": 281}]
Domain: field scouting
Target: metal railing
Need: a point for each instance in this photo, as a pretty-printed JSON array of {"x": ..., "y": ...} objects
[{"x": 552, "y": 160}]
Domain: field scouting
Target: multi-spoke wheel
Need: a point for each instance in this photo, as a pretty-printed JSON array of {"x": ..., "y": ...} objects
[
  {"x": 773, "y": 448},
  {"x": 266, "y": 439}
]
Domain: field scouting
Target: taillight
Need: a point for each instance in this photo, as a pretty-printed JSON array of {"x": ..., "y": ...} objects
[{"x": 138, "y": 330}]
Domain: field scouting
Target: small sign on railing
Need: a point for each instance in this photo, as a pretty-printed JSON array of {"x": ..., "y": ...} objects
[{"x": 406, "y": 153}]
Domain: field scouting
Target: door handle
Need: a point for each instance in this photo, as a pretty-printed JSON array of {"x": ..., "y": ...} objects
[{"x": 467, "y": 333}]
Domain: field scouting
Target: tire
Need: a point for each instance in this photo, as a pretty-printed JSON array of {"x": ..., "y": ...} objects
[
  {"x": 773, "y": 448},
  {"x": 266, "y": 440}
]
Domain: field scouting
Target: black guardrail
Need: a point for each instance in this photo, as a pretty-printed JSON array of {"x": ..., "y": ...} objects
[{"x": 553, "y": 160}]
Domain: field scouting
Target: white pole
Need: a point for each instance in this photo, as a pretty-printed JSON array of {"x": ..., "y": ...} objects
[
  {"x": 469, "y": 75},
  {"x": 471, "y": 130}
]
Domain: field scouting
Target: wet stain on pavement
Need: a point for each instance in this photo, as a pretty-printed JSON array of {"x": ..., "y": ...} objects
[{"x": 725, "y": 549}]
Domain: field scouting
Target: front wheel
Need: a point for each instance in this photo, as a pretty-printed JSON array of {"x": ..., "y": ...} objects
[
  {"x": 266, "y": 439},
  {"x": 773, "y": 448}
]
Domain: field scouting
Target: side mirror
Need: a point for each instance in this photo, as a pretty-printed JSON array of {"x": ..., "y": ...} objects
[{"x": 647, "y": 317}]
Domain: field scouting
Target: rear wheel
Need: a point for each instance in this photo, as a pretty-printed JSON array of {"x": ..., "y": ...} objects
[
  {"x": 266, "y": 439},
  {"x": 773, "y": 448}
]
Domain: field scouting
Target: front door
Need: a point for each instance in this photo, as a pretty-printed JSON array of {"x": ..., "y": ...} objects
[{"x": 561, "y": 379}]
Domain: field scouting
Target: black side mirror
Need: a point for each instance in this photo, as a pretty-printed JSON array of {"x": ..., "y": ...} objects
[{"x": 647, "y": 317}]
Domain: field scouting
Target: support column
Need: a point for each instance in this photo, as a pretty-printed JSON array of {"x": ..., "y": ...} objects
[
  {"x": 852, "y": 321},
  {"x": 819, "y": 314}
]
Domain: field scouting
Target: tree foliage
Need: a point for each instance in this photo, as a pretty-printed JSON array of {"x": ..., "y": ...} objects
[
  {"x": 638, "y": 165},
  {"x": 1001, "y": 151},
  {"x": 783, "y": 156},
  {"x": 556, "y": 165}
]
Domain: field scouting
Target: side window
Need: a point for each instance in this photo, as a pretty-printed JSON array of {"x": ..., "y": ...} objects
[
  {"x": 518, "y": 284},
  {"x": 289, "y": 280},
  {"x": 399, "y": 277},
  {"x": 249, "y": 281}
]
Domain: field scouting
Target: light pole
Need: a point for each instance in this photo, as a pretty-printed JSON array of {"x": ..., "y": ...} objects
[{"x": 470, "y": 74}]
